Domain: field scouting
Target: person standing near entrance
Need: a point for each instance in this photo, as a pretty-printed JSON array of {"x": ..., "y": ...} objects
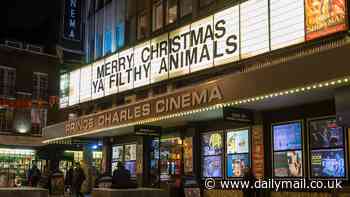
[
  {"x": 78, "y": 179},
  {"x": 34, "y": 175}
]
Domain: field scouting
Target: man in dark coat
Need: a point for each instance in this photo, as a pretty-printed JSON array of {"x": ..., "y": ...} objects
[
  {"x": 34, "y": 175},
  {"x": 121, "y": 177},
  {"x": 78, "y": 179}
]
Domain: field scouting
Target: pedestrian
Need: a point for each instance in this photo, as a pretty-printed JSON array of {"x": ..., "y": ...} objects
[
  {"x": 34, "y": 175},
  {"x": 78, "y": 179},
  {"x": 249, "y": 176},
  {"x": 121, "y": 177},
  {"x": 69, "y": 179}
]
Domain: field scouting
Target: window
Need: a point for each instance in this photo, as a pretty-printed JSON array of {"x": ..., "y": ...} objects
[
  {"x": 170, "y": 158},
  {"x": 205, "y": 2},
  {"x": 326, "y": 149},
  {"x": 157, "y": 15},
  {"x": 120, "y": 35},
  {"x": 287, "y": 149},
  {"x": 107, "y": 43},
  {"x": 7, "y": 82},
  {"x": 6, "y": 119},
  {"x": 127, "y": 155},
  {"x": 212, "y": 154},
  {"x": 99, "y": 4},
  {"x": 40, "y": 86},
  {"x": 141, "y": 26},
  {"x": 185, "y": 7},
  {"x": 171, "y": 15},
  {"x": 38, "y": 117},
  {"x": 237, "y": 152}
]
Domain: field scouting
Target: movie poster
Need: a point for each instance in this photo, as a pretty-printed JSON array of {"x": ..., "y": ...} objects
[
  {"x": 287, "y": 136},
  {"x": 328, "y": 163},
  {"x": 325, "y": 134},
  {"x": 130, "y": 152},
  {"x": 212, "y": 144},
  {"x": 324, "y": 17},
  {"x": 238, "y": 142},
  {"x": 236, "y": 165},
  {"x": 288, "y": 164},
  {"x": 212, "y": 166}
]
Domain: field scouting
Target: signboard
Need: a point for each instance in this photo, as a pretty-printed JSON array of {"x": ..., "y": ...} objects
[
  {"x": 233, "y": 34},
  {"x": 238, "y": 115},
  {"x": 258, "y": 151},
  {"x": 72, "y": 20},
  {"x": 324, "y": 17},
  {"x": 147, "y": 130}
]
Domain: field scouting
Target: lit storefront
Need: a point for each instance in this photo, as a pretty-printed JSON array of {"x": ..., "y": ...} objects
[{"x": 278, "y": 115}]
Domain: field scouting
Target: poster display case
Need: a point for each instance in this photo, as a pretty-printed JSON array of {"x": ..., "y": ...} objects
[
  {"x": 327, "y": 149},
  {"x": 287, "y": 149},
  {"x": 125, "y": 153}
]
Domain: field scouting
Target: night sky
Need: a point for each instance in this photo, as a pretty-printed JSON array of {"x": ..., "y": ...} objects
[{"x": 33, "y": 21}]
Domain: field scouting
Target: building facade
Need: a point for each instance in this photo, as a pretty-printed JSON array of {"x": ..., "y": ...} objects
[
  {"x": 187, "y": 90},
  {"x": 29, "y": 82}
]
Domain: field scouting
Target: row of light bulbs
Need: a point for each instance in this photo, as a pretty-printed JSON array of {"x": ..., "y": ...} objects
[{"x": 220, "y": 106}]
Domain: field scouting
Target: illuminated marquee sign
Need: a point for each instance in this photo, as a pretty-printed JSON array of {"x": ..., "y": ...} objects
[{"x": 236, "y": 33}]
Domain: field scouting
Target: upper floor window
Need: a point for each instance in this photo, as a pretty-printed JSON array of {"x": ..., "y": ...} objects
[
  {"x": 7, "y": 81},
  {"x": 185, "y": 7},
  {"x": 6, "y": 119},
  {"x": 40, "y": 86},
  {"x": 157, "y": 15},
  {"x": 205, "y": 2},
  {"x": 141, "y": 25},
  {"x": 171, "y": 15}
]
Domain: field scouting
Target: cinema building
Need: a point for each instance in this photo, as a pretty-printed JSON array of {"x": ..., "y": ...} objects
[{"x": 180, "y": 91}]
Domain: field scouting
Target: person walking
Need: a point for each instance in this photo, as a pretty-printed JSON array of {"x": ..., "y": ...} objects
[
  {"x": 68, "y": 181},
  {"x": 34, "y": 175},
  {"x": 78, "y": 179}
]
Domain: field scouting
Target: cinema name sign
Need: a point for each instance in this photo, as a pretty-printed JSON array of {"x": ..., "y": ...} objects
[{"x": 177, "y": 102}]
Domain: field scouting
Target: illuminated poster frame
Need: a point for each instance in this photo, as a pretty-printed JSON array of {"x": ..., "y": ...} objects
[
  {"x": 288, "y": 150},
  {"x": 328, "y": 149}
]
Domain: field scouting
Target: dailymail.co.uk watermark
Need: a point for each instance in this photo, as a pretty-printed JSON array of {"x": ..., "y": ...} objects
[{"x": 272, "y": 184}]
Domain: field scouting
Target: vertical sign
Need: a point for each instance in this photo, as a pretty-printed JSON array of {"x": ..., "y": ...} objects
[
  {"x": 254, "y": 28},
  {"x": 72, "y": 20},
  {"x": 258, "y": 151},
  {"x": 324, "y": 17},
  {"x": 226, "y": 42},
  {"x": 287, "y": 23}
]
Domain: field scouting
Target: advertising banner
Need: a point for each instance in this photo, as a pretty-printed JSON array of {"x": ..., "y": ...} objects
[{"x": 324, "y": 17}]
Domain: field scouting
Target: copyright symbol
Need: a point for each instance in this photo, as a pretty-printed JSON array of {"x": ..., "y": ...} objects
[{"x": 209, "y": 183}]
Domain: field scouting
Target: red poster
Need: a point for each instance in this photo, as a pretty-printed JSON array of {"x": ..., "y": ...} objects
[
  {"x": 258, "y": 151},
  {"x": 324, "y": 17}
]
